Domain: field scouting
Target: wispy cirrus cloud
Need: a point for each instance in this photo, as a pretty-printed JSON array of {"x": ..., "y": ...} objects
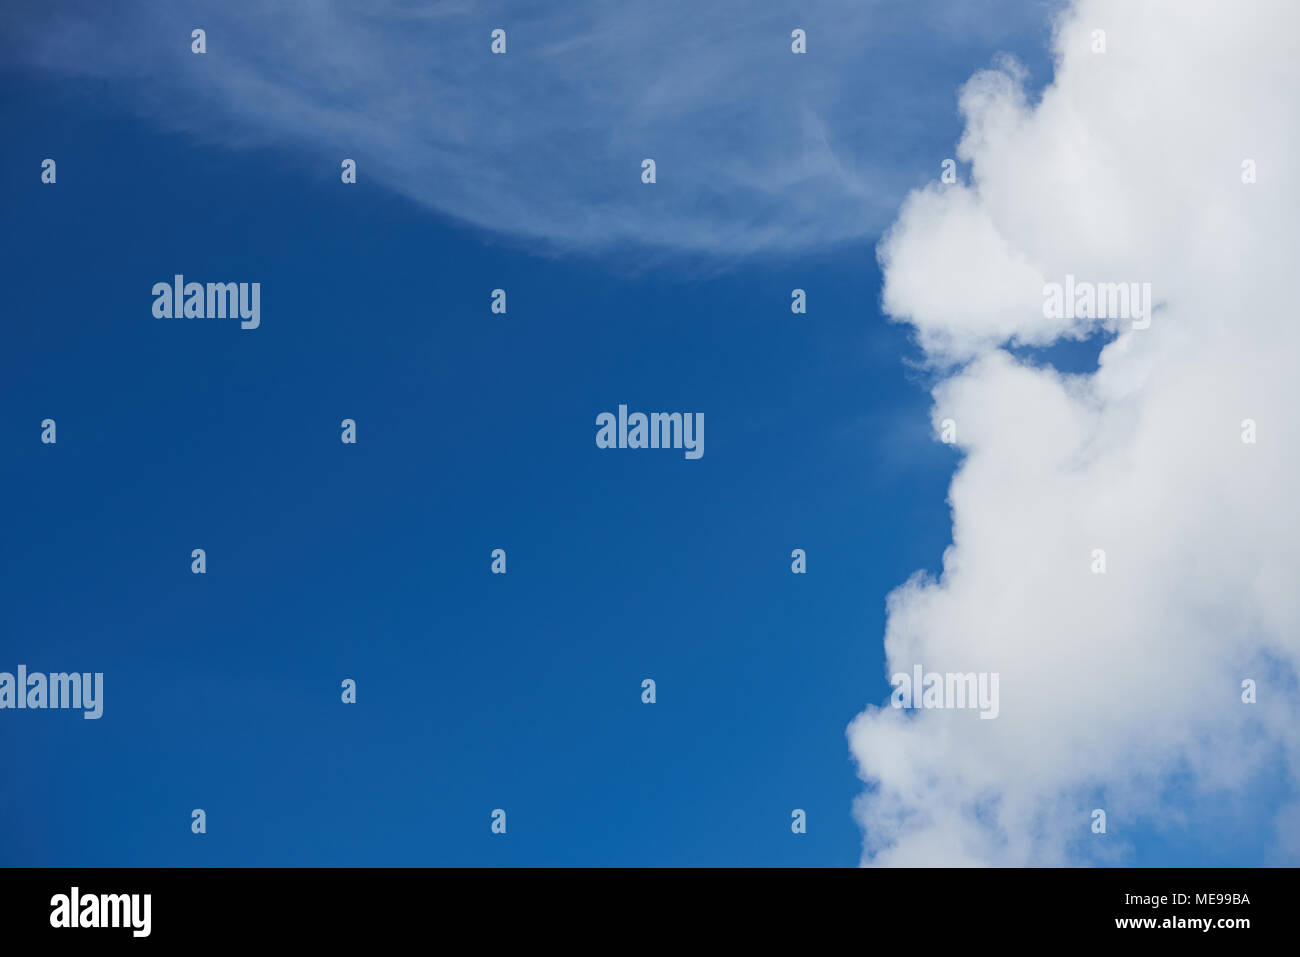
[{"x": 757, "y": 148}]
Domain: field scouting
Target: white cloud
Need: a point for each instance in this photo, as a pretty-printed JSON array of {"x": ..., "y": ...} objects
[{"x": 1122, "y": 690}]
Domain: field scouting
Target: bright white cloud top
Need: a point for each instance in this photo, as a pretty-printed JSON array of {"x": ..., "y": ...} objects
[{"x": 1121, "y": 690}]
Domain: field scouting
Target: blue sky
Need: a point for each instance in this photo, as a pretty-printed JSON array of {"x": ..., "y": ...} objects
[{"x": 475, "y": 431}]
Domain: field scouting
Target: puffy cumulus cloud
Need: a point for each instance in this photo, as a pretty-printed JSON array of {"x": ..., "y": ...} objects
[
  {"x": 757, "y": 149},
  {"x": 1121, "y": 690}
]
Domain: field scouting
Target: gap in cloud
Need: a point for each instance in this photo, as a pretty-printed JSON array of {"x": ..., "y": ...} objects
[{"x": 1067, "y": 356}]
